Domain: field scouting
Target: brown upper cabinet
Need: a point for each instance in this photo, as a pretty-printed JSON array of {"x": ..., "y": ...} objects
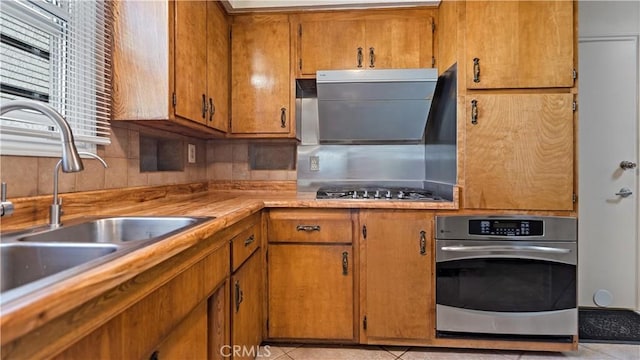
[
  {"x": 218, "y": 82},
  {"x": 519, "y": 151},
  {"x": 519, "y": 44},
  {"x": 260, "y": 76},
  {"x": 365, "y": 40},
  {"x": 172, "y": 69}
]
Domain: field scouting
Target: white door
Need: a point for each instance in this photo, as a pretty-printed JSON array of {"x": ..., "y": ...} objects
[{"x": 608, "y": 244}]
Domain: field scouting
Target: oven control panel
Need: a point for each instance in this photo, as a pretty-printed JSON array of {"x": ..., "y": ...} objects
[{"x": 506, "y": 227}]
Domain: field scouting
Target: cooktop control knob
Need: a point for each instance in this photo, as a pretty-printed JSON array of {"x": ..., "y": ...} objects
[
  {"x": 400, "y": 194},
  {"x": 355, "y": 195},
  {"x": 377, "y": 194},
  {"x": 365, "y": 194},
  {"x": 388, "y": 194}
]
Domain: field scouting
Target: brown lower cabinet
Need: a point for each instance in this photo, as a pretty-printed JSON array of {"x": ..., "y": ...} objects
[
  {"x": 189, "y": 339},
  {"x": 246, "y": 318},
  {"x": 310, "y": 292},
  {"x": 311, "y": 275},
  {"x": 397, "y": 285},
  {"x": 171, "y": 322},
  {"x": 183, "y": 308}
]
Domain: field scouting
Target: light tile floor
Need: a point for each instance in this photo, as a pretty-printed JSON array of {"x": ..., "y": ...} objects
[{"x": 593, "y": 351}]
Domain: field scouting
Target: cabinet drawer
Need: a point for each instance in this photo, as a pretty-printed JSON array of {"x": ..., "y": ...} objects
[
  {"x": 322, "y": 226},
  {"x": 216, "y": 268},
  {"x": 244, "y": 244}
]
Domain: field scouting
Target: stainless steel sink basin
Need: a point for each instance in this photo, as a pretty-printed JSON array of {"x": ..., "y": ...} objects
[
  {"x": 114, "y": 230},
  {"x": 25, "y": 263},
  {"x": 36, "y": 258}
]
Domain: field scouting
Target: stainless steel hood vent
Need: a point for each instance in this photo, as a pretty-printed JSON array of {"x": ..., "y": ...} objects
[{"x": 374, "y": 106}]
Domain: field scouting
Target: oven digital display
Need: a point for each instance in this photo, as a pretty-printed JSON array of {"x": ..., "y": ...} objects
[{"x": 506, "y": 227}]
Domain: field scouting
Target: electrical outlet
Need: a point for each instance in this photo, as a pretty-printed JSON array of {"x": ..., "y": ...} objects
[
  {"x": 191, "y": 153},
  {"x": 314, "y": 163}
]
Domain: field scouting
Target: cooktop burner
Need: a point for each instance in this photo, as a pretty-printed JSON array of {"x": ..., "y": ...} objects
[{"x": 376, "y": 193}]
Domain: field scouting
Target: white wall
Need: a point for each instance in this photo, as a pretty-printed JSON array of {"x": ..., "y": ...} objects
[{"x": 604, "y": 18}]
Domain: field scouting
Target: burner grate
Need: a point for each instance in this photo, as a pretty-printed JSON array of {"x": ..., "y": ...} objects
[{"x": 376, "y": 193}]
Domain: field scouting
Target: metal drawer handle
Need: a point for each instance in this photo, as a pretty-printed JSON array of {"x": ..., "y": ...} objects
[
  {"x": 239, "y": 295},
  {"x": 212, "y": 109},
  {"x": 345, "y": 263},
  {"x": 372, "y": 57},
  {"x": 474, "y": 112},
  {"x": 476, "y": 70},
  {"x": 541, "y": 249},
  {"x": 204, "y": 106},
  {"x": 308, "y": 228},
  {"x": 423, "y": 242},
  {"x": 359, "y": 57},
  {"x": 249, "y": 240},
  {"x": 283, "y": 117}
]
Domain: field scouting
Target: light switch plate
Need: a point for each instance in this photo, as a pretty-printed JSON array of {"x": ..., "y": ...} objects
[{"x": 191, "y": 154}]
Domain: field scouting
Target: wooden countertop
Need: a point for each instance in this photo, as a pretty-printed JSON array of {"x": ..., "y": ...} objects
[{"x": 21, "y": 316}]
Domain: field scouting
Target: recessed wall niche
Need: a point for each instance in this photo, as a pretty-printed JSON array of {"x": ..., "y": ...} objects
[
  {"x": 161, "y": 154},
  {"x": 272, "y": 156}
]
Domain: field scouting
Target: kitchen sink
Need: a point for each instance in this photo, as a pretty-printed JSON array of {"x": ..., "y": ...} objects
[
  {"x": 35, "y": 258},
  {"x": 114, "y": 230},
  {"x": 24, "y": 263}
]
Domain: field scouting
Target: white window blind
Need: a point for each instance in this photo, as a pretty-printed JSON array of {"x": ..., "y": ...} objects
[{"x": 55, "y": 51}]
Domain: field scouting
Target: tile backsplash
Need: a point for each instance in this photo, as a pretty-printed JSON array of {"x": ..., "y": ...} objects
[{"x": 216, "y": 160}]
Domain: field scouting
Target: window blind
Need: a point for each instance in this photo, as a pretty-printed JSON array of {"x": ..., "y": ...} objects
[{"x": 56, "y": 51}]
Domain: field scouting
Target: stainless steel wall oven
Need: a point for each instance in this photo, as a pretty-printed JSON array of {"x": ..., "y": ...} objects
[{"x": 506, "y": 276}]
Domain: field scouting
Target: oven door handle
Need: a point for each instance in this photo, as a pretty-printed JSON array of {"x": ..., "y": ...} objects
[{"x": 539, "y": 249}]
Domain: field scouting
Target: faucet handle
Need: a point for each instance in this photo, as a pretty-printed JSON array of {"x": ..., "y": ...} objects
[{"x": 6, "y": 207}]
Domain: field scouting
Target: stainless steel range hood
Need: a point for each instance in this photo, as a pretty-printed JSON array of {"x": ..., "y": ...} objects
[{"x": 374, "y": 106}]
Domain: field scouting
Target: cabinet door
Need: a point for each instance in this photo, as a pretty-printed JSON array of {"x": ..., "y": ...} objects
[
  {"x": 399, "y": 276},
  {"x": 246, "y": 302},
  {"x": 189, "y": 339},
  {"x": 519, "y": 44},
  {"x": 190, "y": 59},
  {"x": 399, "y": 43},
  {"x": 310, "y": 292},
  {"x": 260, "y": 78},
  {"x": 329, "y": 45},
  {"x": 219, "y": 323},
  {"x": 519, "y": 152},
  {"x": 217, "y": 67}
]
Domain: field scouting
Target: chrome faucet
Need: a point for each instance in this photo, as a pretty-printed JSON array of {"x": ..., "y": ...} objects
[
  {"x": 70, "y": 159},
  {"x": 55, "y": 210}
]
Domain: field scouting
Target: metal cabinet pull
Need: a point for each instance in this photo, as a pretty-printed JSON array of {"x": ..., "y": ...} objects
[
  {"x": 308, "y": 228},
  {"x": 345, "y": 263},
  {"x": 474, "y": 112},
  {"x": 627, "y": 165},
  {"x": 423, "y": 242},
  {"x": 283, "y": 117},
  {"x": 238, "y": 295},
  {"x": 204, "y": 106},
  {"x": 624, "y": 192},
  {"x": 372, "y": 57},
  {"x": 476, "y": 70},
  {"x": 212, "y": 109},
  {"x": 249, "y": 240},
  {"x": 359, "y": 57}
]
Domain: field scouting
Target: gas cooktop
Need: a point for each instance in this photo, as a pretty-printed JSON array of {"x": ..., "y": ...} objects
[{"x": 375, "y": 193}]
